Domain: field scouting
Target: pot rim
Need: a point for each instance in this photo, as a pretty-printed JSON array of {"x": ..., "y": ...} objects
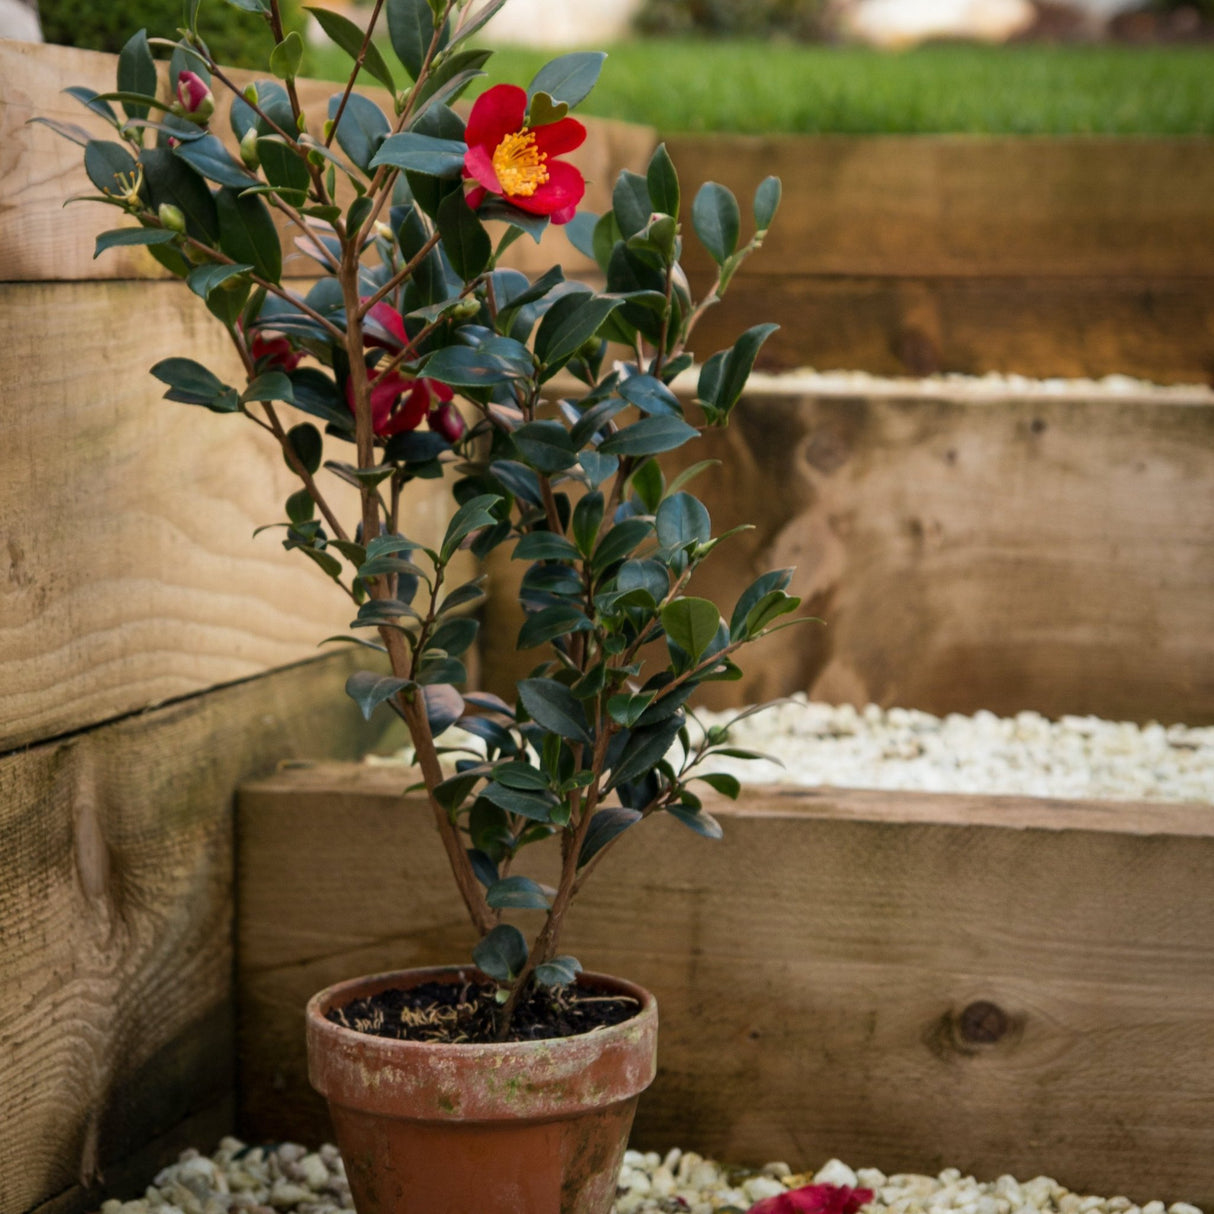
[
  {"x": 478, "y": 1081},
  {"x": 371, "y": 984}
]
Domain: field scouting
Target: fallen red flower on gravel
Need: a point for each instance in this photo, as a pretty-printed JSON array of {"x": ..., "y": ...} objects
[{"x": 815, "y": 1199}]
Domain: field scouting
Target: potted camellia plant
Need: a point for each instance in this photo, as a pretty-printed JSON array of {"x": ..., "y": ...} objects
[{"x": 506, "y": 1083}]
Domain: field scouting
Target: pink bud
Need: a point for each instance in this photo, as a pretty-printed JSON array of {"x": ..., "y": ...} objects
[
  {"x": 194, "y": 97},
  {"x": 445, "y": 419}
]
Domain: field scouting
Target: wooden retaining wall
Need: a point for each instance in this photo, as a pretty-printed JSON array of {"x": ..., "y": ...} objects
[
  {"x": 909, "y": 981},
  {"x": 996, "y": 551},
  {"x": 1083, "y": 256}
]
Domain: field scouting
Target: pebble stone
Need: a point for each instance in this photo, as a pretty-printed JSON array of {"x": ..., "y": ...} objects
[
  {"x": 903, "y": 749},
  {"x": 290, "y": 1179}
]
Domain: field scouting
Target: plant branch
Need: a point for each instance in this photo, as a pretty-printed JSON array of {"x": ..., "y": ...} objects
[{"x": 358, "y": 63}]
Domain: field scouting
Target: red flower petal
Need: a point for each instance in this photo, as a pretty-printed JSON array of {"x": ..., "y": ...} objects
[
  {"x": 409, "y": 415},
  {"x": 558, "y": 137},
  {"x": 496, "y": 113},
  {"x": 388, "y": 319},
  {"x": 563, "y": 190},
  {"x": 815, "y": 1199},
  {"x": 478, "y": 164}
]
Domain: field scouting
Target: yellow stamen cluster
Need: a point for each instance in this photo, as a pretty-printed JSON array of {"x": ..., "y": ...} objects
[
  {"x": 130, "y": 185},
  {"x": 519, "y": 164}
]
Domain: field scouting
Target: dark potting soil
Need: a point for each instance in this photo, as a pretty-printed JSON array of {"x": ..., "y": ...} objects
[{"x": 454, "y": 1012}]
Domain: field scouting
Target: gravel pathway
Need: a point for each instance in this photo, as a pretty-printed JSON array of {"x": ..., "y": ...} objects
[
  {"x": 1026, "y": 755},
  {"x": 290, "y": 1178}
]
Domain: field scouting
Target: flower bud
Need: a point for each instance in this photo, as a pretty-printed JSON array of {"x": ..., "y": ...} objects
[
  {"x": 194, "y": 98},
  {"x": 466, "y": 309},
  {"x": 171, "y": 217},
  {"x": 250, "y": 94},
  {"x": 445, "y": 419},
  {"x": 248, "y": 149}
]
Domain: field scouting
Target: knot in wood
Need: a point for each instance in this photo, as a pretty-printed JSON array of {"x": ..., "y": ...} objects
[{"x": 983, "y": 1023}]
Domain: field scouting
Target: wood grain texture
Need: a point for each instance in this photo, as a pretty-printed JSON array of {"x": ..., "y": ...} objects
[
  {"x": 822, "y": 972},
  {"x": 970, "y": 206},
  {"x": 1160, "y": 329},
  {"x": 116, "y": 1010},
  {"x": 40, "y": 241},
  {"x": 129, "y": 573},
  {"x": 997, "y": 552}
]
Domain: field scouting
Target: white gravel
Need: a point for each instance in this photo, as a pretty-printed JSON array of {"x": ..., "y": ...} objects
[
  {"x": 1082, "y": 758},
  {"x": 290, "y": 1178}
]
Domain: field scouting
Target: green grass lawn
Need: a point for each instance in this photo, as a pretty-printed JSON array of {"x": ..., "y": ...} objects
[{"x": 770, "y": 88}]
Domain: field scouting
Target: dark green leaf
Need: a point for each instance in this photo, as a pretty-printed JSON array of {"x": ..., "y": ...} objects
[
  {"x": 520, "y": 775},
  {"x": 444, "y": 706},
  {"x": 282, "y": 166},
  {"x": 681, "y": 520},
  {"x": 717, "y": 220},
  {"x": 442, "y": 670},
  {"x": 463, "y": 596},
  {"x": 649, "y": 436},
  {"x": 247, "y": 233},
  {"x": 604, "y": 826},
  {"x": 273, "y": 385},
  {"x": 467, "y": 367},
  {"x": 700, "y": 821},
  {"x": 767, "y": 199},
  {"x": 202, "y": 280},
  {"x": 304, "y": 439},
  {"x": 349, "y": 37},
  {"x": 502, "y": 953},
  {"x": 598, "y": 467},
  {"x": 518, "y": 801},
  {"x": 516, "y": 893},
  {"x": 580, "y": 233},
  {"x": 190, "y": 383},
  {"x": 465, "y": 240},
  {"x": 645, "y": 749},
  {"x": 471, "y": 516},
  {"x": 171, "y": 180},
  {"x": 544, "y": 546},
  {"x": 650, "y": 395},
  {"x": 568, "y": 78},
  {"x": 250, "y": 6},
  {"x": 553, "y": 707},
  {"x": 483, "y": 866},
  {"x": 454, "y": 637},
  {"x": 137, "y": 72},
  {"x": 776, "y": 579},
  {"x": 619, "y": 542},
  {"x": 560, "y": 971},
  {"x": 630, "y": 203},
  {"x": 572, "y": 320},
  {"x": 770, "y": 607},
  {"x": 362, "y": 129},
  {"x": 587, "y": 518},
  {"x": 549, "y": 623},
  {"x": 691, "y": 624},
  {"x": 89, "y": 98},
  {"x": 300, "y": 507},
  {"x": 453, "y": 791},
  {"x": 651, "y": 576},
  {"x": 107, "y": 163},
  {"x": 545, "y": 446},
  {"x": 727, "y": 785},
  {"x": 736, "y": 368},
  {"x": 213, "y": 161},
  {"x": 663, "y": 182},
  {"x": 132, "y": 236},
  {"x": 423, "y": 154},
  {"x": 368, "y": 689},
  {"x": 411, "y": 30},
  {"x": 317, "y": 394}
]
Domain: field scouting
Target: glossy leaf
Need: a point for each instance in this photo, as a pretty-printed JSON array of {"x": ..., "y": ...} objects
[
  {"x": 572, "y": 320},
  {"x": 425, "y": 154},
  {"x": 282, "y": 166},
  {"x": 271, "y": 386},
  {"x": 568, "y": 78},
  {"x": 620, "y": 542},
  {"x": 767, "y": 200},
  {"x": 544, "y": 546},
  {"x": 342, "y": 31},
  {"x": 552, "y": 706},
  {"x": 368, "y": 689},
  {"x": 362, "y": 130},
  {"x": 213, "y": 161},
  {"x": 630, "y": 202},
  {"x": 465, "y": 241},
  {"x": 516, "y": 893},
  {"x": 682, "y": 519},
  {"x": 691, "y": 624},
  {"x": 137, "y": 72},
  {"x": 649, "y": 436},
  {"x": 663, "y": 182},
  {"x": 501, "y": 953},
  {"x": 737, "y": 365},
  {"x": 106, "y": 163},
  {"x": 717, "y": 220},
  {"x": 444, "y": 706},
  {"x": 549, "y": 623},
  {"x": 545, "y": 446},
  {"x": 123, "y": 237},
  {"x": 247, "y": 233},
  {"x": 525, "y": 803},
  {"x": 287, "y": 56},
  {"x": 559, "y": 971},
  {"x": 411, "y": 30},
  {"x": 727, "y": 785},
  {"x": 702, "y": 822},
  {"x": 472, "y": 515}
]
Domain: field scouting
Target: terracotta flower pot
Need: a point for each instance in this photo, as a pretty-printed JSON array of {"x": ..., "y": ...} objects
[{"x": 535, "y": 1127}]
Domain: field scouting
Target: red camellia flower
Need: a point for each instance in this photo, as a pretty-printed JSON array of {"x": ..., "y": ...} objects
[
  {"x": 399, "y": 403},
  {"x": 273, "y": 353},
  {"x": 815, "y": 1199},
  {"x": 518, "y": 162}
]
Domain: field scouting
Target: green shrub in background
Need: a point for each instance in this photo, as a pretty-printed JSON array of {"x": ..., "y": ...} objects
[
  {"x": 238, "y": 38},
  {"x": 801, "y": 19}
]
